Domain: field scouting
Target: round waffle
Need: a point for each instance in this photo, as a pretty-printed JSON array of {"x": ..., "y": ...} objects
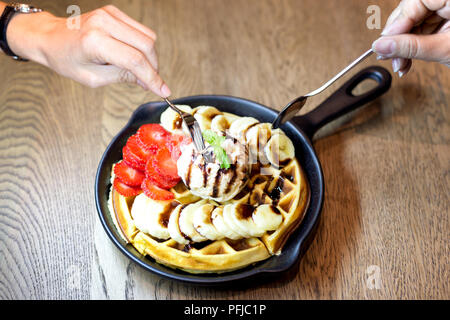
[
  {"x": 284, "y": 188},
  {"x": 224, "y": 236}
]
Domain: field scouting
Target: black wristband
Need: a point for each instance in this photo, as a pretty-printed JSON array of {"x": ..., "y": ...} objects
[{"x": 8, "y": 13}]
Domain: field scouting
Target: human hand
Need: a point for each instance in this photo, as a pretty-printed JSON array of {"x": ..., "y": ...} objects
[
  {"x": 416, "y": 29},
  {"x": 108, "y": 47}
]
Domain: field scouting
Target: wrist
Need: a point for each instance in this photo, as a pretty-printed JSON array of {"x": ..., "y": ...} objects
[{"x": 26, "y": 35}]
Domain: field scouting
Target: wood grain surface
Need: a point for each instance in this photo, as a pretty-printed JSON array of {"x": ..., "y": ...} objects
[{"x": 386, "y": 166}]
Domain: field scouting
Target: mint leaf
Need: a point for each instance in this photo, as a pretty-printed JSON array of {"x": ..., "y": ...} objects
[
  {"x": 213, "y": 138},
  {"x": 222, "y": 156},
  {"x": 216, "y": 143}
]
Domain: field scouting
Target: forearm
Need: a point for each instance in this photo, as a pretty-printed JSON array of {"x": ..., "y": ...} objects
[
  {"x": 26, "y": 34},
  {"x": 107, "y": 47}
]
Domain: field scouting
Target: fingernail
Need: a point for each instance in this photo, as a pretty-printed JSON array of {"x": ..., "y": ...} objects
[
  {"x": 401, "y": 73},
  {"x": 165, "y": 90},
  {"x": 384, "y": 47},
  {"x": 381, "y": 58},
  {"x": 396, "y": 64}
]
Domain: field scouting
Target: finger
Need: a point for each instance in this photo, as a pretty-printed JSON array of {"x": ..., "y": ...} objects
[
  {"x": 398, "y": 64},
  {"x": 115, "y": 12},
  {"x": 133, "y": 37},
  {"x": 101, "y": 75},
  {"x": 419, "y": 10},
  {"x": 405, "y": 69},
  {"x": 394, "y": 15},
  {"x": 426, "y": 47},
  {"x": 413, "y": 12},
  {"x": 444, "y": 27},
  {"x": 126, "y": 57},
  {"x": 95, "y": 75}
]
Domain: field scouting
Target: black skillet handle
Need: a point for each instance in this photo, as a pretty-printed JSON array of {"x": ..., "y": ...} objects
[{"x": 343, "y": 101}]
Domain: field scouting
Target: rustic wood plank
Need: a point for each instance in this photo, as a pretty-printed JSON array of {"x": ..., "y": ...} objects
[{"x": 386, "y": 166}]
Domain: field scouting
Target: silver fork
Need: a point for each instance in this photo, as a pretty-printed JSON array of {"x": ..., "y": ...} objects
[{"x": 194, "y": 130}]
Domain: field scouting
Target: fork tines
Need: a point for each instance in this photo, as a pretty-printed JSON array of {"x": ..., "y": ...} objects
[
  {"x": 195, "y": 131},
  {"x": 198, "y": 137}
]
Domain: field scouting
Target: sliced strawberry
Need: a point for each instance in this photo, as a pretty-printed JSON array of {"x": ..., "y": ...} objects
[
  {"x": 136, "y": 147},
  {"x": 128, "y": 175},
  {"x": 165, "y": 165},
  {"x": 155, "y": 192},
  {"x": 157, "y": 179},
  {"x": 132, "y": 160},
  {"x": 152, "y": 135},
  {"x": 175, "y": 143},
  {"x": 135, "y": 155},
  {"x": 125, "y": 190},
  {"x": 162, "y": 182}
]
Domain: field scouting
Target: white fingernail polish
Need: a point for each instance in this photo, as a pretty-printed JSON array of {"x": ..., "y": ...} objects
[{"x": 396, "y": 64}]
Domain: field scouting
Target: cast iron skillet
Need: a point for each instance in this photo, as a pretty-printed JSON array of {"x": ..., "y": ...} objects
[{"x": 300, "y": 129}]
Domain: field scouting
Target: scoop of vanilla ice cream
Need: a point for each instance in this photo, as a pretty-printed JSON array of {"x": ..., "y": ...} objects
[{"x": 209, "y": 180}]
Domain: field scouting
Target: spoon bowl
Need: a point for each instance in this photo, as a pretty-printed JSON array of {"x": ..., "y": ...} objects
[{"x": 294, "y": 106}]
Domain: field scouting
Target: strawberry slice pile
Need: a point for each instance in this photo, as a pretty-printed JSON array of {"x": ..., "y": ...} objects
[{"x": 149, "y": 163}]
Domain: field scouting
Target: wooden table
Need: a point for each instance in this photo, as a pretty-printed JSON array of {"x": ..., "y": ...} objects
[{"x": 386, "y": 166}]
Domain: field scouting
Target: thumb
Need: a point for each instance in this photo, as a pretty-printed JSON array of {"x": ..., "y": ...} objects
[{"x": 434, "y": 47}]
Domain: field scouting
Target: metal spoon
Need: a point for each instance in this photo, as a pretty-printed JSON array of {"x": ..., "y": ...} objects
[{"x": 294, "y": 106}]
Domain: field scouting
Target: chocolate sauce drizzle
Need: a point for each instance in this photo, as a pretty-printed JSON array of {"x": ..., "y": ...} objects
[
  {"x": 244, "y": 211},
  {"x": 165, "y": 215},
  {"x": 181, "y": 232}
]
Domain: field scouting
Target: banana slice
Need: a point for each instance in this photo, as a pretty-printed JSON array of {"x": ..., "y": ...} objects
[
  {"x": 240, "y": 126},
  {"x": 277, "y": 131},
  {"x": 219, "y": 123},
  {"x": 174, "y": 226},
  {"x": 152, "y": 216},
  {"x": 231, "y": 117},
  {"x": 171, "y": 121},
  {"x": 203, "y": 222},
  {"x": 204, "y": 116},
  {"x": 221, "y": 226},
  {"x": 257, "y": 138},
  {"x": 186, "y": 222},
  {"x": 267, "y": 217},
  {"x": 279, "y": 150},
  {"x": 241, "y": 215},
  {"x": 230, "y": 220}
]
